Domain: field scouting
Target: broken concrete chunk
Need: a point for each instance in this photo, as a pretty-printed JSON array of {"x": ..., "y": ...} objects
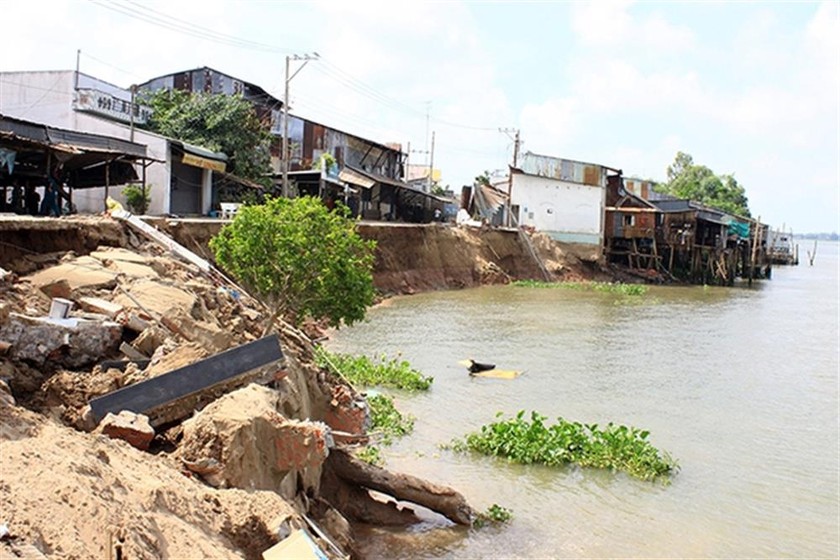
[
  {"x": 348, "y": 412},
  {"x": 6, "y": 396},
  {"x": 71, "y": 342},
  {"x": 128, "y": 426},
  {"x": 58, "y": 289},
  {"x": 256, "y": 447},
  {"x": 131, "y": 353},
  {"x": 136, "y": 323},
  {"x": 149, "y": 340},
  {"x": 101, "y": 306}
]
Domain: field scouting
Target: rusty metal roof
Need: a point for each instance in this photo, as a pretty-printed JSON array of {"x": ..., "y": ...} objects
[{"x": 563, "y": 169}]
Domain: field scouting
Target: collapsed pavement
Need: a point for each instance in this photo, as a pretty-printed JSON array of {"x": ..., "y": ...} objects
[{"x": 139, "y": 323}]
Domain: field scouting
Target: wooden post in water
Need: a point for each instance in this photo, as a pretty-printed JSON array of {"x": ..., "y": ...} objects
[
  {"x": 753, "y": 251},
  {"x": 812, "y": 256}
]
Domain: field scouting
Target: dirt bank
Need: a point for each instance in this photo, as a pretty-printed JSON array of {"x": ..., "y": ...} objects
[
  {"x": 425, "y": 257},
  {"x": 224, "y": 471}
]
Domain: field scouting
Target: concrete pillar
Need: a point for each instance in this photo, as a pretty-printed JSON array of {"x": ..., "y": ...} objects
[{"x": 206, "y": 190}]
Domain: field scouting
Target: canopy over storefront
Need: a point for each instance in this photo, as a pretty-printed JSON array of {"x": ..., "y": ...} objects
[{"x": 30, "y": 152}]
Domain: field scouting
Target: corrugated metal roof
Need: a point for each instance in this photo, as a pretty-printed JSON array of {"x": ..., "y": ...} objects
[
  {"x": 563, "y": 169},
  {"x": 68, "y": 140},
  {"x": 355, "y": 178}
]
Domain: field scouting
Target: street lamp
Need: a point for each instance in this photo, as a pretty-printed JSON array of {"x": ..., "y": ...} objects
[{"x": 299, "y": 57}]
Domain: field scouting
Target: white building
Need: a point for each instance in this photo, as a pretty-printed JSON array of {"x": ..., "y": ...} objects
[
  {"x": 564, "y": 199},
  {"x": 179, "y": 178}
]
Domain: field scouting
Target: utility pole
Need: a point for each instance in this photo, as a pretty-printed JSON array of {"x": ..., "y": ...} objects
[
  {"x": 510, "y": 171},
  {"x": 431, "y": 164},
  {"x": 78, "y": 55},
  {"x": 410, "y": 151},
  {"x": 285, "y": 155},
  {"x": 131, "y": 110}
]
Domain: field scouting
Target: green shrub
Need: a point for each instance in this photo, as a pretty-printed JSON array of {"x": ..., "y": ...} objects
[
  {"x": 615, "y": 447},
  {"x": 136, "y": 200}
]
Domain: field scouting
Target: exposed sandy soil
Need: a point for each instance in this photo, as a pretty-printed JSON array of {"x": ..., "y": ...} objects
[
  {"x": 77, "y": 495},
  {"x": 71, "y": 494}
]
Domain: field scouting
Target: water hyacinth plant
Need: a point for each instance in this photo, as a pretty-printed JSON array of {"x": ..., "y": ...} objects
[
  {"x": 386, "y": 420},
  {"x": 494, "y": 515},
  {"x": 614, "y": 447},
  {"x": 607, "y": 287},
  {"x": 378, "y": 372}
]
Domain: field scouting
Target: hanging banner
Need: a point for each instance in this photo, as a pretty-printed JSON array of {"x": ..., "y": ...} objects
[{"x": 204, "y": 163}]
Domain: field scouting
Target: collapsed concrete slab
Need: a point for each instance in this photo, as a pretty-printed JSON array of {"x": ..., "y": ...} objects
[
  {"x": 176, "y": 394},
  {"x": 71, "y": 342},
  {"x": 156, "y": 297},
  {"x": 244, "y": 442},
  {"x": 83, "y": 272}
]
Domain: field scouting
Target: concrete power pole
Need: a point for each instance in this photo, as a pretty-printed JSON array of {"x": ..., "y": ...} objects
[
  {"x": 431, "y": 163},
  {"x": 507, "y": 131},
  {"x": 285, "y": 155}
]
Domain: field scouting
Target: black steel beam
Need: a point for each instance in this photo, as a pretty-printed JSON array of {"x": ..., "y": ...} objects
[{"x": 164, "y": 389}]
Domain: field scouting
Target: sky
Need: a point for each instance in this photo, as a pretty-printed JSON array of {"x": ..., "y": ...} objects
[{"x": 747, "y": 88}]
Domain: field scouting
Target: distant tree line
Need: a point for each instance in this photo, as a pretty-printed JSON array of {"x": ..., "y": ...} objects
[{"x": 686, "y": 179}]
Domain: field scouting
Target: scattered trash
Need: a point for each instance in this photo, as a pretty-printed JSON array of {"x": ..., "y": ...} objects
[{"x": 298, "y": 545}]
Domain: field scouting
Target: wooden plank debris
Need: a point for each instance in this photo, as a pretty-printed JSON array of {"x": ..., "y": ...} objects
[{"x": 168, "y": 389}]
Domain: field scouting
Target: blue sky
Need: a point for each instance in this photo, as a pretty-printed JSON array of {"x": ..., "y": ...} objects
[{"x": 751, "y": 89}]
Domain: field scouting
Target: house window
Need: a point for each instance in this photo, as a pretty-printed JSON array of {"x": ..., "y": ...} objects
[{"x": 629, "y": 220}]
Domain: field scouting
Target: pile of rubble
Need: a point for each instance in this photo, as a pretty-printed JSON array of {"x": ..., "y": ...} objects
[{"x": 144, "y": 414}]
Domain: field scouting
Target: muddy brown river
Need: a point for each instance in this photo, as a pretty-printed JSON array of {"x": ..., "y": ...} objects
[{"x": 739, "y": 384}]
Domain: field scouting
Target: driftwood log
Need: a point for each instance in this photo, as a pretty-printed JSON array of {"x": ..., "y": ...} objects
[{"x": 402, "y": 487}]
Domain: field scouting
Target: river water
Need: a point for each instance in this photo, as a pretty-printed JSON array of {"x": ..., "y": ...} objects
[{"x": 739, "y": 384}]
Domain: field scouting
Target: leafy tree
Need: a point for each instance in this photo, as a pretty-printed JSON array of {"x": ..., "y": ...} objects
[
  {"x": 300, "y": 258},
  {"x": 483, "y": 179},
  {"x": 697, "y": 182},
  {"x": 221, "y": 123}
]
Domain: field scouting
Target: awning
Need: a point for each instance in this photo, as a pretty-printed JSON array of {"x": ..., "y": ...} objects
[
  {"x": 354, "y": 178},
  {"x": 89, "y": 160},
  {"x": 197, "y": 156}
]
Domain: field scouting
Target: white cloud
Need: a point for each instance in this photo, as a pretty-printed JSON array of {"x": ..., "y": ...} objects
[
  {"x": 610, "y": 24},
  {"x": 551, "y": 126}
]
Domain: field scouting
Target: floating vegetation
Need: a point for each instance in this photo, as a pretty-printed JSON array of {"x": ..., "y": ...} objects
[
  {"x": 387, "y": 423},
  {"x": 614, "y": 447},
  {"x": 608, "y": 287},
  {"x": 386, "y": 420},
  {"x": 495, "y": 514},
  {"x": 367, "y": 372},
  {"x": 370, "y": 454}
]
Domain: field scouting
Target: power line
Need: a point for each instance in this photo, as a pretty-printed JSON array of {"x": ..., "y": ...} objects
[
  {"x": 133, "y": 9},
  {"x": 167, "y": 21},
  {"x": 117, "y": 68}
]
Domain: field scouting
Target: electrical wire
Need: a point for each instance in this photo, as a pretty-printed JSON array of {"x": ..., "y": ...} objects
[
  {"x": 136, "y": 10},
  {"x": 167, "y": 21}
]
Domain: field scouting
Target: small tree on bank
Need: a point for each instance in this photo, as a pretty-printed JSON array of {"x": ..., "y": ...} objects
[{"x": 302, "y": 259}]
